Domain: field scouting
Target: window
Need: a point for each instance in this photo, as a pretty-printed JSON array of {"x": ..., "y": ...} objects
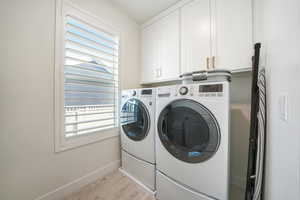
[{"x": 86, "y": 78}]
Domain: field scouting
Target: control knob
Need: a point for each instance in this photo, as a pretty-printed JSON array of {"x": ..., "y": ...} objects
[{"x": 183, "y": 90}]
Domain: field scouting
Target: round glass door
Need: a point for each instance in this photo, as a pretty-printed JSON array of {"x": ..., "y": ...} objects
[
  {"x": 135, "y": 120},
  {"x": 188, "y": 131}
]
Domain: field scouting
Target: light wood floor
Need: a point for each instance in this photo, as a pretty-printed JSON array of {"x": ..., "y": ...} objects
[
  {"x": 117, "y": 186},
  {"x": 114, "y": 186}
]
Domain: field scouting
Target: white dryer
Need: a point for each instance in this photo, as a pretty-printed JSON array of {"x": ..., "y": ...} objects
[
  {"x": 137, "y": 117},
  {"x": 192, "y": 142}
]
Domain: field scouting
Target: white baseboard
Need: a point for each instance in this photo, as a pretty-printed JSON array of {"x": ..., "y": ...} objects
[
  {"x": 138, "y": 182},
  {"x": 75, "y": 185}
]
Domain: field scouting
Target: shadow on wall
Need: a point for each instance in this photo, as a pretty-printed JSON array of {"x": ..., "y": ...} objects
[
  {"x": 240, "y": 126},
  {"x": 240, "y": 123}
]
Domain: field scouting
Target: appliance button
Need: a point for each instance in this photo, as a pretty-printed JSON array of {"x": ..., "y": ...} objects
[
  {"x": 133, "y": 93},
  {"x": 192, "y": 91}
]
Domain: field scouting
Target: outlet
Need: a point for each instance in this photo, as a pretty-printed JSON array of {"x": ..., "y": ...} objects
[{"x": 283, "y": 107}]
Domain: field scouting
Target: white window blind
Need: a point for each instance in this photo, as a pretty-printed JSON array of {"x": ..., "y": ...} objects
[{"x": 90, "y": 78}]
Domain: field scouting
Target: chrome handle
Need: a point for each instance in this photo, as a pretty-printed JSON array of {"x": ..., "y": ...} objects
[
  {"x": 157, "y": 72},
  {"x": 213, "y": 62},
  {"x": 207, "y": 63}
]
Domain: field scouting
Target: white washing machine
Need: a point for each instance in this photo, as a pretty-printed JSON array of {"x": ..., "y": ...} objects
[
  {"x": 192, "y": 142},
  {"x": 137, "y": 117}
]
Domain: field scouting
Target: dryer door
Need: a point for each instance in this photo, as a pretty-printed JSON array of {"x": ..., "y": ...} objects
[
  {"x": 188, "y": 131},
  {"x": 135, "y": 119}
]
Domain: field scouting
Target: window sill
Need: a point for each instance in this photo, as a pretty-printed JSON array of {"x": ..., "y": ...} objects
[{"x": 64, "y": 144}]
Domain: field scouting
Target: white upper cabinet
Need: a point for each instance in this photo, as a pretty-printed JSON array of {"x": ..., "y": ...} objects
[
  {"x": 169, "y": 47},
  {"x": 160, "y": 49},
  {"x": 232, "y": 34},
  {"x": 195, "y": 35},
  {"x": 149, "y": 54}
]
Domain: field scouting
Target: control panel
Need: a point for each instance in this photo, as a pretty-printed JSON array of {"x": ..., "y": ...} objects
[
  {"x": 209, "y": 90},
  {"x": 146, "y": 92},
  {"x": 138, "y": 93}
]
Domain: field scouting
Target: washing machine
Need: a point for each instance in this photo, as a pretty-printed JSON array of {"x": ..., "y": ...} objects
[
  {"x": 137, "y": 123},
  {"x": 192, "y": 141}
]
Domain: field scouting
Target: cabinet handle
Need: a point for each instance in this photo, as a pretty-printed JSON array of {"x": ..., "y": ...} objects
[
  {"x": 157, "y": 72},
  {"x": 207, "y": 63},
  {"x": 213, "y": 62}
]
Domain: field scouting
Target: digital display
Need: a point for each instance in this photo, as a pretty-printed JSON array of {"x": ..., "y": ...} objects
[
  {"x": 211, "y": 88},
  {"x": 147, "y": 92}
]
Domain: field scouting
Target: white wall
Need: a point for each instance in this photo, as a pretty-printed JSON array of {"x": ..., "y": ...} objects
[
  {"x": 29, "y": 167},
  {"x": 278, "y": 28}
]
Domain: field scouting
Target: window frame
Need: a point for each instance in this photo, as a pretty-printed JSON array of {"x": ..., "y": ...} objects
[{"x": 64, "y": 8}]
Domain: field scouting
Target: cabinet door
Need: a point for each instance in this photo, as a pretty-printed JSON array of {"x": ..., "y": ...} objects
[
  {"x": 233, "y": 37},
  {"x": 149, "y": 54},
  {"x": 195, "y": 35},
  {"x": 168, "y": 38}
]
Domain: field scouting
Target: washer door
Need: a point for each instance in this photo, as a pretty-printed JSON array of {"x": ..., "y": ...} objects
[
  {"x": 135, "y": 119},
  {"x": 188, "y": 131}
]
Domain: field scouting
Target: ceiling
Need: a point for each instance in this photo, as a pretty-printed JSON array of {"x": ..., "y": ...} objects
[{"x": 143, "y": 10}]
